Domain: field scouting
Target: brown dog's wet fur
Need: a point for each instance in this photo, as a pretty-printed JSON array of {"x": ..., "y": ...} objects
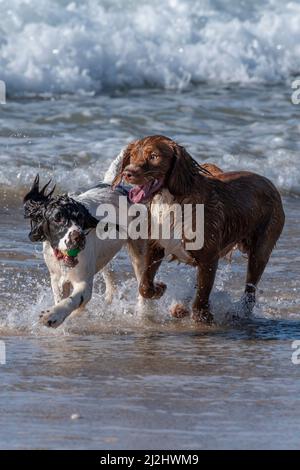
[{"x": 241, "y": 208}]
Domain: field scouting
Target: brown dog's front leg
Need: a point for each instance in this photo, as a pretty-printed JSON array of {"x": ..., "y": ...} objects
[
  {"x": 205, "y": 281},
  {"x": 148, "y": 288}
]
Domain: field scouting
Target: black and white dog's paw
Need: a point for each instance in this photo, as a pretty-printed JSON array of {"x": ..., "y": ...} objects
[{"x": 53, "y": 317}]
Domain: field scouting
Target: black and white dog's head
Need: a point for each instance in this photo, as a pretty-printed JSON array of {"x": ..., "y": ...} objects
[{"x": 60, "y": 220}]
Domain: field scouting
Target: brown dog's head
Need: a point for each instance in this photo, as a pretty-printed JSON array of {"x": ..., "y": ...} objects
[{"x": 155, "y": 162}]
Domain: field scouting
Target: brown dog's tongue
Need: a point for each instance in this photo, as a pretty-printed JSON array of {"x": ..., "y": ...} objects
[
  {"x": 143, "y": 192},
  {"x": 137, "y": 194}
]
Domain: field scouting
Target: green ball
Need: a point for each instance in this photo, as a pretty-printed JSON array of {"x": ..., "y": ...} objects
[{"x": 73, "y": 253}]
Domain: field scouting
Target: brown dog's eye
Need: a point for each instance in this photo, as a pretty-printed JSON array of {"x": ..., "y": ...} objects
[{"x": 153, "y": 156}]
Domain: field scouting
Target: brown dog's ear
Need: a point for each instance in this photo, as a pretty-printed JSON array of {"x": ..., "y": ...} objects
[
  {"x": 125, "y": 162},
  {"x": 183, "y": 171}
]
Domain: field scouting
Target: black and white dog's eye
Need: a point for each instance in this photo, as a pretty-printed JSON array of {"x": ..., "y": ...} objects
[
  {"x": 58, "y": 217},
  {"x": 80, "y": 219}
]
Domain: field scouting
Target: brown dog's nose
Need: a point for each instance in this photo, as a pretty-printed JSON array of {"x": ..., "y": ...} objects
[
  {"x": 131, "y": 171},
  {"x": 128, "y": 173}
]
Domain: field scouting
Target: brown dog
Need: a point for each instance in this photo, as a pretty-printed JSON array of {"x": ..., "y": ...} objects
[{"x": 241, "y": 208}]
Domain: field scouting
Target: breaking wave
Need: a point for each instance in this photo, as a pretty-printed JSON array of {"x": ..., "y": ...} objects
[{"x": 59, "y": 46}]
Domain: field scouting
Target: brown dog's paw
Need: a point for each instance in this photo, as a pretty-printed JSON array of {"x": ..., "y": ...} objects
[
  {"x": 159, "y": 288},
  {"x": 156, "y": 291},
  {"x": 203, "y": 316},
  {"x": 179, "y": 311}
]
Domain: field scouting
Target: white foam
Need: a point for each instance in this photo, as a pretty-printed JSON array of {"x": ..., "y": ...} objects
[
  {"x": 281, "y": 166},
  {"x": 53, "y": 46}
]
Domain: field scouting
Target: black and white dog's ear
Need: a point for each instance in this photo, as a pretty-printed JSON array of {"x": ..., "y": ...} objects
[
  {"x": 37, "y": 195},
  {"x": 35, "y": 200},
  {"x": 89, "y": 221}
]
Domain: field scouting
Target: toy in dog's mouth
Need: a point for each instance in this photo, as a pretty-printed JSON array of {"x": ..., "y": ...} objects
[
  {"x": 69, "y": 257},
  {"x": 143, "y": 192}
]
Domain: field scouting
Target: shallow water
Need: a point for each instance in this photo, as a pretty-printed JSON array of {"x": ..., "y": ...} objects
[
  {"x": 154, "y": 390},
  {"x": 149, "y": 381}
]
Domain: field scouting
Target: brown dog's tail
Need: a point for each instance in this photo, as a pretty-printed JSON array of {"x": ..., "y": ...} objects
[{"x": 214, "y": 170}]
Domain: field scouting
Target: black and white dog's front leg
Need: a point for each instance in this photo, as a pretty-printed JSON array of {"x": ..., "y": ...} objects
[
  {"x": 110, "y": 280},
  {"x": 60, "y": 289},
  {"x": 82, "y": 293}
]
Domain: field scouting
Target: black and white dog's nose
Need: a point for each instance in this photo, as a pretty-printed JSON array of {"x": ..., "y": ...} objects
[{"x": 76, "y": 239}]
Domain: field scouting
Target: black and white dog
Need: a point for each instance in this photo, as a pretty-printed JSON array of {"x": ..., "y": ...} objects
[{"x": 72, "y": 251}]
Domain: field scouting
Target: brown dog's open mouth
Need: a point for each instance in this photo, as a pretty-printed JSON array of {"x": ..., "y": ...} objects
[{"x": 141, "y": 193}]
